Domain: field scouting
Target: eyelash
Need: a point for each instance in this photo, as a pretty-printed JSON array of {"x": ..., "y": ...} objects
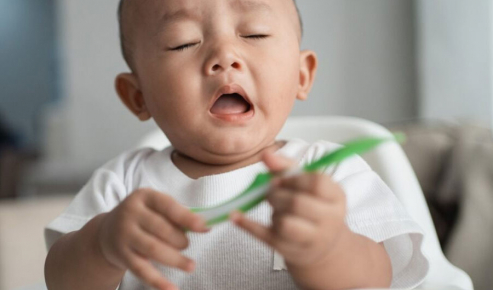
[
  {"x": 257, "y": 36},
  {"x": 186, "y": 46}
]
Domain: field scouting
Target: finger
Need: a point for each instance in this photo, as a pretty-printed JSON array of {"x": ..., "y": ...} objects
[
  {"x": 166, "y": 206},
  {"x": 150, "y": 247},
  {"x": 294, "y": 230},
  {"x": 146, "y": 272},
  {"x": 257, "y": 230},
  {"x": 155, "y": 225},
  {"x": 320, "y": 185},
  {"x": 302, "y": 205},
  {"x": 264, "y": 234},
  {"x": 277, "y": 163}
]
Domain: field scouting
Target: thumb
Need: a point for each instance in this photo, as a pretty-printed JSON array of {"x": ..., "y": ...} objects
[{"x": 277, "y": 163}]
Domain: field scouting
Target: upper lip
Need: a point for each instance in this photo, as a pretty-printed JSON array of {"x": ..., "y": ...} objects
[{"x": 230, "y": 89}]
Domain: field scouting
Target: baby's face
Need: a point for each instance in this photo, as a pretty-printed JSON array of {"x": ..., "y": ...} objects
[{"x": 188, "y": 53}]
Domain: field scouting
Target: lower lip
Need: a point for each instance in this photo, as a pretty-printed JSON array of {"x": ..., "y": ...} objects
[{"x": 236, "y": 118}]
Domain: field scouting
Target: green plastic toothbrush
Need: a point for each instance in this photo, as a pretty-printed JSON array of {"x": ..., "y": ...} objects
[{"x": 257, "y": 191}]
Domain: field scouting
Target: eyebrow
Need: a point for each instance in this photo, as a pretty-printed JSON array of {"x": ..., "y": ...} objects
[
  {"x": 239, "y": 5},
  {"x": 179, "y": 14},
  {"x": 250, "y": 5}
]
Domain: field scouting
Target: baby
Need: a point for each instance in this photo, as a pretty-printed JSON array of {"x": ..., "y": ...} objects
[{"x": 220, "y": 77}]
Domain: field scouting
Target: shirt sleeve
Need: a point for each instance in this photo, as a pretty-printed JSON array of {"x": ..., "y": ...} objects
[
  {"x": 375, "y": 212},
  {"x": 101, "y": 194}
]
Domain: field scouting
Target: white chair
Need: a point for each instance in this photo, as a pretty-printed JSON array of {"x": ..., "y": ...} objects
[{"x": 391, "y": 163}]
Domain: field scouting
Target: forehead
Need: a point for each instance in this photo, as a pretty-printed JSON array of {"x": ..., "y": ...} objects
[
  {"x": 194, "y": 4},
  {"x": 169, "y": 10},
  {"x": 148, "y": 18}
]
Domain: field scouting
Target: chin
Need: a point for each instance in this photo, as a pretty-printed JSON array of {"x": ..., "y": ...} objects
[
  {"x": 230, "y": 149},
  {"x": 232, "y": 145}
]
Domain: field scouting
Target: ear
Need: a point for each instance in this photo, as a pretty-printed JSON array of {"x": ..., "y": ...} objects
[
  {"x": 127, "y": 87},
  {"x": 308, "y": 70}
]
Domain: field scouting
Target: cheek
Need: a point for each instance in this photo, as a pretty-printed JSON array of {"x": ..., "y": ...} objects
[
  {"x": 170, "y": 86},
  {"x": 282, "y": 65},
  {"x": 279, "y": 78},
  {"x": 174, "y": 104}
]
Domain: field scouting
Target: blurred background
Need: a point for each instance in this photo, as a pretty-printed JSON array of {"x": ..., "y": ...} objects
[{"x": 423, "y": 67}]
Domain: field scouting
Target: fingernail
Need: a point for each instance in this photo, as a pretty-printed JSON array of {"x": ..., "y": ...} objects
[
  {"x": 235, "y": 216},
  {"x": 190, "y": 267},
  {"x": 200, "y": 224}
]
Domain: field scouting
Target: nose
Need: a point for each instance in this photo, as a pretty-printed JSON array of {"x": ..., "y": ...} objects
[{"x": 223, "y": 58}]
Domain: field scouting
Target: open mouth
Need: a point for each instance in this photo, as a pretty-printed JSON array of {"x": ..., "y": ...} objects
[{"x": 231, "y": 104}]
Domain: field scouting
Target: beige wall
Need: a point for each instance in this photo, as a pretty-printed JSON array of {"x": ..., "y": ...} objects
[
  {"x": 22, "y": 246},
  {"x": 455, "y": 59}
]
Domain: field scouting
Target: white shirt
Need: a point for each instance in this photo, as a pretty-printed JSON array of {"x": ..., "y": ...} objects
[{"x": 227, "y": 257}]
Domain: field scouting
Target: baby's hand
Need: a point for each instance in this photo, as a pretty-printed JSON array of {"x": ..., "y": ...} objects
[
  {"x": 148, "y": 226},
  {"x": 308, "y": 216}
]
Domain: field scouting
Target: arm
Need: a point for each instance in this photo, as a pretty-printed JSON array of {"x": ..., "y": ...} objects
[
  {"x": 356, "y": 262},
  {"x": 75, "y": 262},
  {"x": 309, "y": 230},
  {"x": 147, "y": 226}
]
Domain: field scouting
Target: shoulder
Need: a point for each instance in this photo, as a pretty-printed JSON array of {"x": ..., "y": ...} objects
[
  {"x": 112, "y": 182},
  {"x": 126, "y": 170},
  {"x": 128, "y": 161}
]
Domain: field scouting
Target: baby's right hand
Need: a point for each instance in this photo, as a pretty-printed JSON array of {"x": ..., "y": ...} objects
[{"x": 148, "y": 226}]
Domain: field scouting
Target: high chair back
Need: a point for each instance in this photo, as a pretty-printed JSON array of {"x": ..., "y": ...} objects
[{"x": 391, "y": 163}]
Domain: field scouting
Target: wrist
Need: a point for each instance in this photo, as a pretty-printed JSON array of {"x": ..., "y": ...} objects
[
  {"x": 98, "y": 242},
  {"x": 353, "y": 261},
  {"x": 336, "y": 248}
]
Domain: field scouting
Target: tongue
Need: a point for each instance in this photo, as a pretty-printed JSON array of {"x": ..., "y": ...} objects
[{"x": 230, "y": 105}]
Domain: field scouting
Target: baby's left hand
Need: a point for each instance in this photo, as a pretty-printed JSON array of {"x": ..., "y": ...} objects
[{"x": 308, "y": 216}]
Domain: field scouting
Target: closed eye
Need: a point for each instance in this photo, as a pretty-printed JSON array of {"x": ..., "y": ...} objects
[
  {"x": 183, "y": 47},
  {"x": 257, "y": 36}
]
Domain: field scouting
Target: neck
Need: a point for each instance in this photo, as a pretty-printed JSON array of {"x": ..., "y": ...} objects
[{"x": 196, "y": 169}]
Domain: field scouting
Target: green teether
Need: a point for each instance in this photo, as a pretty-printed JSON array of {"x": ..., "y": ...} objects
[{"x": 256, "y": 192}]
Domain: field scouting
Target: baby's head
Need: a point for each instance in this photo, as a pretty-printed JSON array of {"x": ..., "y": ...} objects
[{"x": 219, "y": 77}]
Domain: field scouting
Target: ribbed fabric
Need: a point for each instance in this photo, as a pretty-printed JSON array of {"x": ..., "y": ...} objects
[{"x": 227, "y": 257}]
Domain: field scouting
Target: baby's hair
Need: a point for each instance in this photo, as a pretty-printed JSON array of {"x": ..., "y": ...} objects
[{"x": 124, "y": 41}]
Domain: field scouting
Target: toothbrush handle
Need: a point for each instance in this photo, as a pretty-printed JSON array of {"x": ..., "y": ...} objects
[{"x": 293, "y": 171}]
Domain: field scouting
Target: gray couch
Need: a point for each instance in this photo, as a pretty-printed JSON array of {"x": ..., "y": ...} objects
[{"x": 454, "y": 164}]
